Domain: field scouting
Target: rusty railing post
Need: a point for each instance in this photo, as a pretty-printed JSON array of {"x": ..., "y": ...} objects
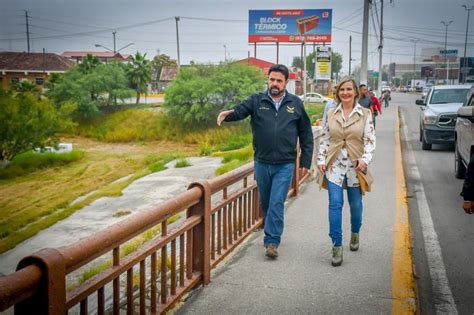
[
  {"x": 201, "y": 233},
  {"x": 295, "y": 183},
  {"x": 51, "y": 294}
]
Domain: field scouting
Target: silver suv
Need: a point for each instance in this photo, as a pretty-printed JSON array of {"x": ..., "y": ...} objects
[
  {"x": 438, "y": 116},
  {"x": 464, "y": 135}
]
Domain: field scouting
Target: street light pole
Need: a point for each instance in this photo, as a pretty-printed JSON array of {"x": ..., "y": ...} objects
[
  {"x": 113, "y": 33},
  {"x": 446, "y": 24},
  {"x": 414, "y": 58},
  {"x": 177, "y": 39},
  {"x": 350, "y": 54},
  {"x": 465, "y": 42}
]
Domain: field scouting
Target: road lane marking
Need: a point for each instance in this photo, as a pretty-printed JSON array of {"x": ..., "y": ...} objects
[
  {"x": 444, "y": 301},
  {"x": 403, "y": 281}
]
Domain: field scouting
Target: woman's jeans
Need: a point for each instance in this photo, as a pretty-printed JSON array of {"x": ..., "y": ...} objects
[
  {"x": 336, "y": 202},
  {"x": 273, "y": 181}
]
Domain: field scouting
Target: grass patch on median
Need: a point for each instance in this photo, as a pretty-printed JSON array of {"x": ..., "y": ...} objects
[{"x": 315, "y": 111}]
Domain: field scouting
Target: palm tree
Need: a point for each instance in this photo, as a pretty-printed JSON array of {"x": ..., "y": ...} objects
[
  {"x": 139, "y": 73},
  {"x": 88, "y": 64}
]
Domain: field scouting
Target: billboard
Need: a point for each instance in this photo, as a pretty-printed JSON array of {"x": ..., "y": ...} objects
[
  {"x": 323, "y": 63},
  {"x": 290, "y": 26}
]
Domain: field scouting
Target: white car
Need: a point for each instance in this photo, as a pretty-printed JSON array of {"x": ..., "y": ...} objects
[
  {"x": 439, "y": 114},
  {"x": 313, "y": 97}
]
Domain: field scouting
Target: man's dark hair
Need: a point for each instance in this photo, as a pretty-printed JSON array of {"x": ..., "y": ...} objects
[
  {"x": 362, "y": 85},
  {"x": 280, "y": 68}
]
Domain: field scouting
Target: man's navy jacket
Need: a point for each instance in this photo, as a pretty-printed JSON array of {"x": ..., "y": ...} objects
[{"x": 275, "y": 133}]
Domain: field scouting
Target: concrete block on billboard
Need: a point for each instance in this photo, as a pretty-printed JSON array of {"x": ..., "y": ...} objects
[{"x": 290, "y": 26}]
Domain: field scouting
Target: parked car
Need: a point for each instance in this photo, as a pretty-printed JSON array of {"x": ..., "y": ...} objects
[
  {"x": 464, "y": 135},
  {"x": 438, "y": 116},
  {"x": 385, "y": 88},
  {"x": 313, "y": 97},
  {"x": 425, "y": 92}
]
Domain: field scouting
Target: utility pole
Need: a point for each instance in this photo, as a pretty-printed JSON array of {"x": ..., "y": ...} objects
[
  {"x": 225, "y": 53},
  {"x": 365, "y": 43},
  {"x": 414, "y": 58},
  {"x": 465, "y": 42},
  {"x": 113, "y": 33},
  {"x": 177, "y": 40},
  {"x": 27, "y": 30},
  {"x": 379, "y": 84},
  {"x": 350, "y": 54},
  {"x": 446, "y": 24}
]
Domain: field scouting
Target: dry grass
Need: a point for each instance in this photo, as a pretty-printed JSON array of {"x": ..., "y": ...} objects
[{"x": 33, "y": 202}]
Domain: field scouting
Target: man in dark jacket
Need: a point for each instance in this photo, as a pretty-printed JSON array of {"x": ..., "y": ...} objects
[{"x": 278, "y": 120}]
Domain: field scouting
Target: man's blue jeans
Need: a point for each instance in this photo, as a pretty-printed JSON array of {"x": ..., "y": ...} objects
[
  {"x": 336, "y": 202},
  {"x": 273, "y": 181}
]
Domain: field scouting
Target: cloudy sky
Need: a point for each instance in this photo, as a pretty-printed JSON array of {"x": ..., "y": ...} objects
[{"x": 210, "y": 28}]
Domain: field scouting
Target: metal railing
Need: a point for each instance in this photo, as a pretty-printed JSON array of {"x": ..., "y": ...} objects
[{"x": 220, "y": 214}]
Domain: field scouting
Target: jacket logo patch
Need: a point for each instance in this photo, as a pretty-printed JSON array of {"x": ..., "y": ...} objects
[
  {"x": 290, "y": 110},
  {"x": 263, "y": 107}
]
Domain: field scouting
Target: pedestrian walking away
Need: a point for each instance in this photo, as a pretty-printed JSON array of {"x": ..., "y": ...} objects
[
  {"x": 376, "y": 106},
  {"x": 468, "y": 188},
  {"x": 278, "y": 120},
  {"x": 364, "y": 99},
  {"x": 385, "y": 98},
  {"x": 348, "y": 145},
  {"x": 331, "y": 104}
]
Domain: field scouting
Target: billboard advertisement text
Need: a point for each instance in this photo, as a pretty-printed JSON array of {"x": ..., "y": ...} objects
[{"x": 290, "y": 26}]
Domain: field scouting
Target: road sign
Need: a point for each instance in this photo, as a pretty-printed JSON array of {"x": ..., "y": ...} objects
[{"x": 449, "y": 52}]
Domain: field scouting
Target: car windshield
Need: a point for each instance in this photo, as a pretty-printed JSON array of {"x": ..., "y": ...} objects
[{"x": 448, "y": 96}]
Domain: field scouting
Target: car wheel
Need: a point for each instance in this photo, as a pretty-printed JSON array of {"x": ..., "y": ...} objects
[
  {"x": 421, "y": 134},
  {"x": 459, "y": 168},
  {"x": 425, "y": 145}
]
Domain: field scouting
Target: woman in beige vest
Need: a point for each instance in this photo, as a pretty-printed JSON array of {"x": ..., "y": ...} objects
[{"x": 347, "y": 148}]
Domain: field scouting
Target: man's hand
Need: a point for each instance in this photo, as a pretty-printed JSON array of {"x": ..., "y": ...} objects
[
  {"x": 223, "y": 115},
  {"x": 304, "y": 171}
]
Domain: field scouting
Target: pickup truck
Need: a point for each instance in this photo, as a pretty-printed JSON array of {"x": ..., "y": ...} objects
[{"x": 464, "y": 135}]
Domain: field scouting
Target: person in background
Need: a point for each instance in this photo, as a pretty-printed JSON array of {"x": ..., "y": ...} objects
[
  {"x": 278, "y": 120},
  {"x": 468, "y": 188},
  {"x": 376, "y": 106},
  {"x": 348, "y": 145},
  {"x": 364, "y": 99},
  {"x": 385, "y": 98},
  {"x": 331, "y": 104}
]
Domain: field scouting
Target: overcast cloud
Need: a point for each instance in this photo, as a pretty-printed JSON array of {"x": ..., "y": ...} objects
[{"x": 203, "y": 40}]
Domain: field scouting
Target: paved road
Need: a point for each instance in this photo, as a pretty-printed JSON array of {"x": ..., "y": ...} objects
[{"x": 451, "y": 227}]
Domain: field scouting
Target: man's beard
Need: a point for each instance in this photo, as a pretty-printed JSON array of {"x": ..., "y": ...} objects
[{"x": 275, "y": 91}]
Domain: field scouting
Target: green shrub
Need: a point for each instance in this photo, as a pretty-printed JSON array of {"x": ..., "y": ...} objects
[
  {"x": 182, "y": 163},
  {"x": 30, "y": 161}
]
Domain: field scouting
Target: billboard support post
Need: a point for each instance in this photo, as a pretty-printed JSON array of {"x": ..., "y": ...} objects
[{"x": 278, "y": 50}]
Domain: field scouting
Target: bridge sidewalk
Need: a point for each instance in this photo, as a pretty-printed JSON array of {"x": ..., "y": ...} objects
[{"x": 302, "y": 279}]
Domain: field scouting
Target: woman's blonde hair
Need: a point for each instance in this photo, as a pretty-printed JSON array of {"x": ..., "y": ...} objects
[{"x": 354, "y": 85}]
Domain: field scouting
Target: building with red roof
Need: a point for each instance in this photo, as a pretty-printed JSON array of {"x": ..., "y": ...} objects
[
  {"x": 103, "y": 56},
  {"x": 35, "y": 67},
  {"x": 294, "y": 84}
]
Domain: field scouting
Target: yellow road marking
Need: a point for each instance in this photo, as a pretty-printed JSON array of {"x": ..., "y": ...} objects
[{"x": 403, "y": 281}]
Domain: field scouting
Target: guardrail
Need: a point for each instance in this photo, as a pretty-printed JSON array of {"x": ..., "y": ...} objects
[{"x": 220, "y": 214}]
